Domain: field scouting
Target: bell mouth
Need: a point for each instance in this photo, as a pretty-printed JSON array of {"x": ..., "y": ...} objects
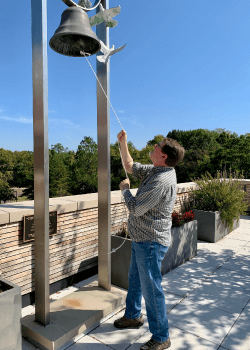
[
  {"x": 73, "y": 44},
  {"x": 74, "y": 35}
]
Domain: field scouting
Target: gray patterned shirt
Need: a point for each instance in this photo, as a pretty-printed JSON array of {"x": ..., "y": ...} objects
[{"x": 151, "y": 209}]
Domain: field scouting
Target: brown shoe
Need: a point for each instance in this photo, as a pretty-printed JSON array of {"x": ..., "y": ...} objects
[
  {"x": 155, "y": 345},
  {"x": 124, "y": 322}
]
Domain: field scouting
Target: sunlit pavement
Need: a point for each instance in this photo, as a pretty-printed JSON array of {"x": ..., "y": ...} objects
[{"x": 207, "y": 298}]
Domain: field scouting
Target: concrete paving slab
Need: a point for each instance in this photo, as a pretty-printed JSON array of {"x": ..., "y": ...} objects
[
  {"x": 118, "y": 339},
  {"x": 87, "y": 281},
  {"x": 239, "y": 264},
  {"x": 205, "y": 321},
  {"x": 217, "y": 248},
  {"x": 195, "y": 270},
  {"x": 231, "y": 278},
  {"x": 171, "y": 300},
  {"x": 177, "y": 284},
  {"x": 231, "y": 242},
  {"x": 62, "y": 293},
  {"x": 239, "y": 336},
  {"x": 219, "y": 295},
  {"x": 211, "y": 259},
  {"x": 27, "y": 345},
  {"x": 242, "y": 235},
  {"x": 88, "y": 343},
  {"x": 244, "y": 228},
  {"x": 244, "y": 252},
  {"x": 180, "y": 340},
  {"x": 28, "y": 310}
]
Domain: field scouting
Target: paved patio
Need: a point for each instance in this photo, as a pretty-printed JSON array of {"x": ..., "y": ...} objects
[{"x": 208, "y": 302}]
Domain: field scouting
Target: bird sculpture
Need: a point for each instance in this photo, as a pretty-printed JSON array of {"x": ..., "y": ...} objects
[
  {"x": 105, "y": 16},
  {"x": 108, "y": 52}
]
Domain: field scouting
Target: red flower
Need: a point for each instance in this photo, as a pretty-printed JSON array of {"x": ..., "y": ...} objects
[{"x": 186, "y": 217}]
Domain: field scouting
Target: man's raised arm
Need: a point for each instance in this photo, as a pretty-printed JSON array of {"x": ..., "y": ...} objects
[{"x": 127, "y": 159}]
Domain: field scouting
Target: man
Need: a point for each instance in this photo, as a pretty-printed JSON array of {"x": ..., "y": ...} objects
[{"x": 149, "y": 226}]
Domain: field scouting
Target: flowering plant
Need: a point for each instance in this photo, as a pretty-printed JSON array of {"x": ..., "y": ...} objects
[
  {"x": 181, "y": 219},
  {"x": 177, "y": 220}
]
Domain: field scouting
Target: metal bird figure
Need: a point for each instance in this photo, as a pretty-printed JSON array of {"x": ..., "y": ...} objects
[
  {"x": 108, "y": 52},
  {"x": 106, "y": 16}
]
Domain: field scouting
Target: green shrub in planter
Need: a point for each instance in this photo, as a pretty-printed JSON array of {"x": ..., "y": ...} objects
[{"x": 225, "y": 196}]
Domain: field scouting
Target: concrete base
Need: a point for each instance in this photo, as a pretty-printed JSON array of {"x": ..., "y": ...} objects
[{"x": 73, "y": 315}]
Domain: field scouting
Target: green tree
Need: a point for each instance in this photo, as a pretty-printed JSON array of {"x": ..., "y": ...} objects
[
  {"x": 198, "y": 144},
  {"x": 234, "y": 155},
  {"x": 117, "y": 172},
  {"x": 7, "y": 162},
  {"x": 58, "y": 175},
  {"x": 58, "y": 148},
  {"x": 84, "y": 175},
  {"x": 155, "y": 140},
  {"x": 23, "y": 170},
  {"x": 6, "y": 193}
]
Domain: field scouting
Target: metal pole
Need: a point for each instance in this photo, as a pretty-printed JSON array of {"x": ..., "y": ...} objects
[
  {"x": 103, "y": 130},
  {"x": 41, "y": 159}
]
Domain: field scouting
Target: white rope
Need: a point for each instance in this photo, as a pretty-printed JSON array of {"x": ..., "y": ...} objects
[
  {"x": 85, "y": 55},
  {"x": 82, "y": 53},
  {"x": 102, "y": 89}
]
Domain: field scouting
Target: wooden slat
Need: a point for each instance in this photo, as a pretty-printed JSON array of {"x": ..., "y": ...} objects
[
  {"x": 58, "y": 269},
  {"x": 31, "y": 286}
]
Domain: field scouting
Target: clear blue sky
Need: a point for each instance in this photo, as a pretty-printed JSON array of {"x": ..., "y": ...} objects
[{"x": 186, "y": 66}]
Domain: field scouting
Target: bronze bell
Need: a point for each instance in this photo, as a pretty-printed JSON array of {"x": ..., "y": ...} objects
[{"x": 74, "y": 37}]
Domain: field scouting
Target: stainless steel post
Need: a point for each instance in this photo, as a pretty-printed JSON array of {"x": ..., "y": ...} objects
[
  {"x": 41, "y": 159},
  {"x": 103, "y": 130}
]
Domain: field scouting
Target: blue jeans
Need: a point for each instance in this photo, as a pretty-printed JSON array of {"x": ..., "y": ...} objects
[{"x": 145, "y": 279}]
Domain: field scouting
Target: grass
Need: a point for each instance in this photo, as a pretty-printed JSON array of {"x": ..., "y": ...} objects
[{"x": 22, "y": 199}]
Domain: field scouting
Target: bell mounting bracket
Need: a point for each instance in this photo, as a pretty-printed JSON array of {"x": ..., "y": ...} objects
[{"x": 72, "y": 3}]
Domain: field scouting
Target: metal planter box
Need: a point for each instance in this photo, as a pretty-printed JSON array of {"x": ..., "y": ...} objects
[
  {"x": 210, "y": 226},
  {"x": 10, "y": 316},
  {"x": 183, "y": 247},
  {"x": 120, "y": 261}
]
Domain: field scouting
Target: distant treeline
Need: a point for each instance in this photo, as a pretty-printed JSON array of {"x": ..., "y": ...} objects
[{"x": 72, "y": 173}]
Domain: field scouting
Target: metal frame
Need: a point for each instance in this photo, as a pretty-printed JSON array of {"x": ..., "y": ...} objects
[
  {"x": 41, "y": 159},
  {"x": 103, "y": 130}
]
